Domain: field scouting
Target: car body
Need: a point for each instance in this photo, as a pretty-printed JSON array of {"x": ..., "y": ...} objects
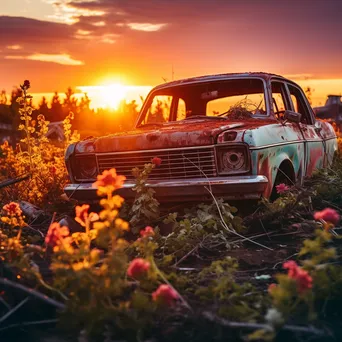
[
  {"x": 234, "y": 136},
  {"x": 331, "y": 111}
]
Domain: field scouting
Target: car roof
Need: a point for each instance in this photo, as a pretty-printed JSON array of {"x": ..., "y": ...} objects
[{"x": 263, "y": 75}]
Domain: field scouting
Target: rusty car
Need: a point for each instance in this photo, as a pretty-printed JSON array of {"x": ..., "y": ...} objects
[{"x": 235, "y": 136}]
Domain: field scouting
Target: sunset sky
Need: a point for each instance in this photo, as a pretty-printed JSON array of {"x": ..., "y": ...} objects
[{"x": 61, "y": 43}]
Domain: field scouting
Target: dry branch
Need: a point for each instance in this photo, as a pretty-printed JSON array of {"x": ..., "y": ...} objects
[{"x": 33, "y": 293}]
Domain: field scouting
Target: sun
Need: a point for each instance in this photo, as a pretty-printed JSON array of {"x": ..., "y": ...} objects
[{"x": 112, "y": 95}]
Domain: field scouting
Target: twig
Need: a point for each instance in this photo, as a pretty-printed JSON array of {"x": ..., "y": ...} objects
[
  {"x": 12, "y": 311},
  {"x": 263, "y": 227},
  {"x": 24, "y": 324},
  {"x": 230, "y": 230},
  {"x": 254, "y": 326},
  {"x": 186, "y": 255},
  {"x": 13, "y": 181},
  {"x": 33, "y": 292},
  {"x": 280, "y": 262},
  {"x": 5, "y": 303}
]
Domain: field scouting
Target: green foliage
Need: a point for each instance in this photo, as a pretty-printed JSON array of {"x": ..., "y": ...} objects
[
  {"x": 216, "y": 285},
  {"x": 145, "y": 208},
  {"x": 201, "y": 228}
]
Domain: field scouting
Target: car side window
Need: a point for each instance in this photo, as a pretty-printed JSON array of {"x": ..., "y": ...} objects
[
  {"x": 181, "y": 110},
  {"x": 299, "y": 104},
  {"x": 279, "y": 99}
]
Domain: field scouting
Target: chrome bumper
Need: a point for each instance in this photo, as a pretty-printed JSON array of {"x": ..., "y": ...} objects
[{"x": 184, "y": 190}]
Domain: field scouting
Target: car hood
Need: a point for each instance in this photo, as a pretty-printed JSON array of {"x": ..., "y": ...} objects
[{"x": 178, "y": 134}]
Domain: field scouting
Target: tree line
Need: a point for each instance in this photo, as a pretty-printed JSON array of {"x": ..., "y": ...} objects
[{"x": 87, "y": 121}]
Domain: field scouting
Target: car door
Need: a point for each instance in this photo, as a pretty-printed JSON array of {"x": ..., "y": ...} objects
[{"x": 314, "y": 144}]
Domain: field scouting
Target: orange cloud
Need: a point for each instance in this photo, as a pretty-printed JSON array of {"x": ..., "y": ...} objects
[{"x": 63, "y": 59}]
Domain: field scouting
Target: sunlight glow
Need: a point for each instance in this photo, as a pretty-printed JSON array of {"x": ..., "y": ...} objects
[{"x": 112, "y": 95}]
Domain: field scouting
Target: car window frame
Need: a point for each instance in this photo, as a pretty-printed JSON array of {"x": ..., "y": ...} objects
[
  {"x": 284, "y": 92},
  {"x": 269, "y": 109},
  {"x": 306, "y": 102}
]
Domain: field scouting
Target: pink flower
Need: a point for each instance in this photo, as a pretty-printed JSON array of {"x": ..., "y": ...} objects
[
  {"x": 165, "y": 295},
  {"x": 56, "y": 234},
  {"x": 328, "y": 215},
  {"x": 302, "y": 277},
  {"x": 156, "y": 161},
  {"x": 12, "y": 209},
  {"x": 281, "y": 188},
  {"x": 147, "y": 232},
  {"x": 138, "y": 268}
]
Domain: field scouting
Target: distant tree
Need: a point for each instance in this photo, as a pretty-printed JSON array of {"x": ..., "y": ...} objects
[
  {"x": 70, "y": 102},
  {"x": 43, "y": 108},
  {"x": 14, "y": 106},
  {"x": 56, "y": 111},
  {"x": 3, "y": 97},
  {"x": 308, "y": 92}
]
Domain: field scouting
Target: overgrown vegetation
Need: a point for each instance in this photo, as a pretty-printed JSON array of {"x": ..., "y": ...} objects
[{"x": 185, "y": 278}]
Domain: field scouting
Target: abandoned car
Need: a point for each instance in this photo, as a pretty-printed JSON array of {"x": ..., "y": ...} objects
[
  {"x": 331, "y": 111},
  {"x": 234, "y": 135}
]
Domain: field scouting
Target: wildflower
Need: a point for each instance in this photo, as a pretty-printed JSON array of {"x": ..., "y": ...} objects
[
  {"x": 156, "y": 161},
  {"x": 120, "y": 223},
  {"x": 26, "y": 84},
  {"x": 271, "y": 287},
  {"x": 147, "y": 232},
  {"x": 40, "y": 117},
  {"x": 274, "y": 317},
  {"x": 302, "y": 277},
  {"x": 53, "y": 170},
  {"x": 281, "y": 188},
  {"x": 166, "y": 295},
  {"x": 82, "y": 214},
  {"x": 328, "y": 215},
  {"x": 138, "y": 268},
  {"x": 12, "y": 209},
  {"x": 56, "y": 234},
  {"x": 109, "y": 178}
]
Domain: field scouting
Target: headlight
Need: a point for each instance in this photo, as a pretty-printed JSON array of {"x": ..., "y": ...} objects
[
  {"x": 233, "y": 159},
  {"x": 85, "y": 168}
]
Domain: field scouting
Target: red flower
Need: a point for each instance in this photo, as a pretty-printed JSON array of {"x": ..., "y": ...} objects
[
  {"x": 156, "y": 161},
  {"x": 271, "y": 287},
  {"x": 110, "y": 178},
  {"x": 147, "y": 232},
  {"x": 281, "y": 188},
  {"x": 328, "y": 215},
  {"x": 26, "y": 84},
  {"x": 12, "y": 209},
  {"x": 56, "y": 234},
  {"x": 82, "y": 214},
  {"x": 165, "y": 295},
  {"x": 53, "y": 170},
  {"x": 137, "y": 268},
  {"x": 302, "y": 277}
]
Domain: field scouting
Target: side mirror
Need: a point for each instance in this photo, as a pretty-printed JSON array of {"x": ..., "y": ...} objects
[{"x": 291, "y": 116}]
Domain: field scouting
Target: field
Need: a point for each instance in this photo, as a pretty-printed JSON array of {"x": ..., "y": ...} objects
[{"x": 144, "y": 272}]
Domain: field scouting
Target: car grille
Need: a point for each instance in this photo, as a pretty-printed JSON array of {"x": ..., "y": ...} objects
[{"x": 185, "y": 163}]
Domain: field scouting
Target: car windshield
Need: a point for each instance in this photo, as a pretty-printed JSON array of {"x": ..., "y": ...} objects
[{"x": 233, "y": 99}]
